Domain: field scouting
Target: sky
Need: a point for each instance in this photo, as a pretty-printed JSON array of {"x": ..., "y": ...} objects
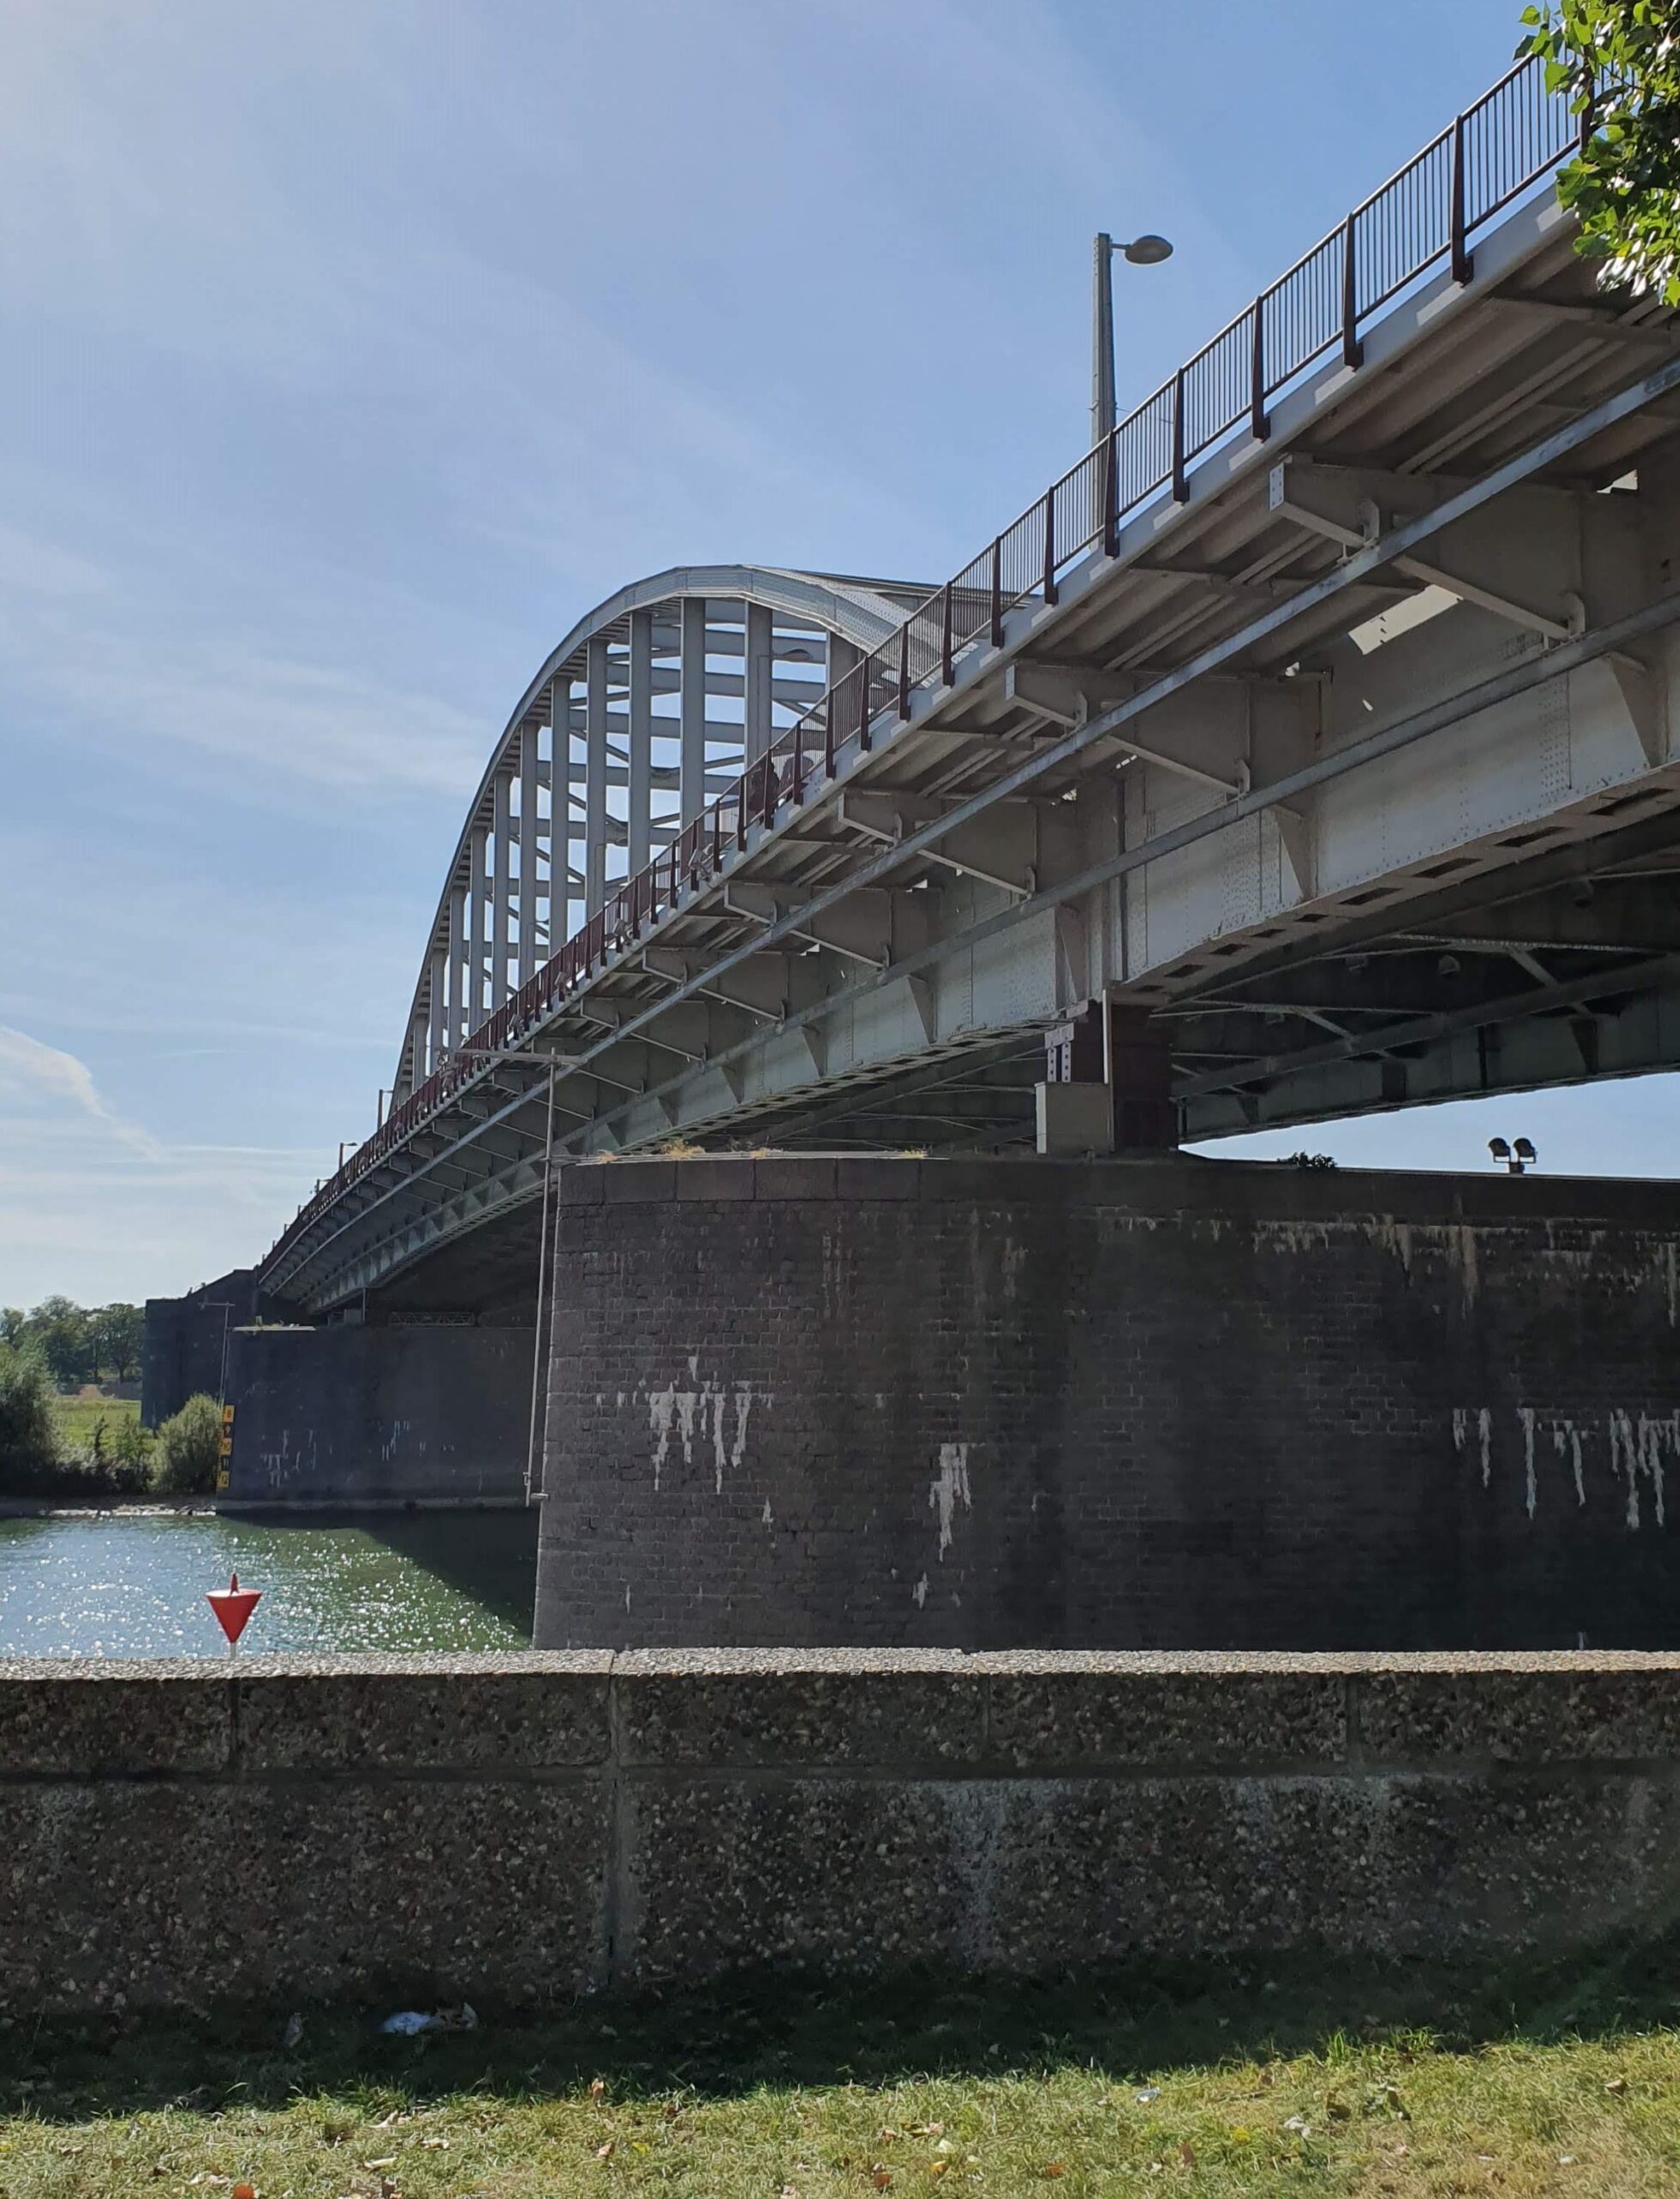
[{"x": 351, "y": 349}]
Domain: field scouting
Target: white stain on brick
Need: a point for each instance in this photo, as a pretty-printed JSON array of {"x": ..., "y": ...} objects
[
  {"x": 1637, "y": 1448},
  {"x": 1566, "y": 1435},
  {"x": 1525, "y": 1413},
  {"x": 1292, "y": 1236},
  {"x": 699, "y": 1412},
  {"x": 1395, "y": 1237},
  {"x": 948, "y": 1490},
  {"x": 1462, "y": 1240},
  {"x": 714, "y": 1401},
  {"x": 1641, "y": 1447},
  {"x": 742, "y": 1407},
  {"x": 1625, "y": 1460},
  {"x": 769, "y": 1519},
  {"x": 920, "y": 1592}
]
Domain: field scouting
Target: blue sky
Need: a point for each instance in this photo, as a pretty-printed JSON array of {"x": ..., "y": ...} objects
[{"x": 350, "y": 350}]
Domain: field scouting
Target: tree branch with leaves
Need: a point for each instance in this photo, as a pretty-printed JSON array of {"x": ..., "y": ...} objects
[{"x": 1620, "y": 59}]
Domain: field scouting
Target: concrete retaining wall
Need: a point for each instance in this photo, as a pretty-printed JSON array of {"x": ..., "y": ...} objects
[
  {"x": 1176, "y": 1404},
  {"x": 517, "y": 1829},
  {"x": 353, "y": 1415}
]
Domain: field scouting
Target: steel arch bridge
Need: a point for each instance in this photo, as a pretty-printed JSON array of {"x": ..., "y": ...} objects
[
  {"x": 1321, "y": 720},
  {"x": 652, "y": 705}
]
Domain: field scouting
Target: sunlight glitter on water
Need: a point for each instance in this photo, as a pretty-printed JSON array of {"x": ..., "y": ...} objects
[{"x": 115, "y": 1586}]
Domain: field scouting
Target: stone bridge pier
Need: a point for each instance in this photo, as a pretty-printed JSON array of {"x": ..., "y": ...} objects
[{"x": 1170, "y": 1403}]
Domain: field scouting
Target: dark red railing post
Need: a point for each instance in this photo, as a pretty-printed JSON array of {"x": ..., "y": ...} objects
[
  {"x": 1049, "y": 545},
  {"x": 997, "y": 592},
  {"x": 903, "y": 668},
  {"x": 1352, "y": 352},
  {"x": 796, "y": 776},
  {"x": 1180, "y": 454},
  {"x": 1259, "y": 420},
  {"x": 1589, "y": 120},
  {"x": 830, "y": 704},
  {"x": 863, "y": 708},
  {"x": 1111, "y": 494},
  {"x": 945, "y": 650},
  {"x": 1463, "y": 266},
  {"x": 768, "y": 763}
]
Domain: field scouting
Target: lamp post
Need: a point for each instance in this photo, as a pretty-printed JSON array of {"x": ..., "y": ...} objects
[{"x": 1147, "y": 251}]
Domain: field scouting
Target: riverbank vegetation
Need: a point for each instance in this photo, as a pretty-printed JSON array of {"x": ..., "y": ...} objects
[
  {"x": 1260, "y": 2077},
  {"x": 91, "y": 1448}
]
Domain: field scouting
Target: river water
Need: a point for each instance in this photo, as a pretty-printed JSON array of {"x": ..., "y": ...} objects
[{"x": 133, "y": 1585}]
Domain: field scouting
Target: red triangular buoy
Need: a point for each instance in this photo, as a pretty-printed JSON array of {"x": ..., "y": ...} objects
[{"x": 233, "y": 1606}]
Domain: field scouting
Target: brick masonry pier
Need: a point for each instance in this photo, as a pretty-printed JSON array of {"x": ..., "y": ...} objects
[
  {"x": 1179, "y": 1403},
  {"x": 516, "y": 1830}
]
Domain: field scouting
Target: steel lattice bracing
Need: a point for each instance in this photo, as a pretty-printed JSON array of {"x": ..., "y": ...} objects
[
  {"x": 646, "y": 710},
  {"x": 1323, "y": 714}
]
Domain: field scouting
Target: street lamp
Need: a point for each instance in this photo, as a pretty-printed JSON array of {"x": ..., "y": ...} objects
[{"x": 1147, "y": 251}]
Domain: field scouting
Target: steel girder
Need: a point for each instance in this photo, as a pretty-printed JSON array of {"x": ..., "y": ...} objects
[{"x": 1203, "y": 779}]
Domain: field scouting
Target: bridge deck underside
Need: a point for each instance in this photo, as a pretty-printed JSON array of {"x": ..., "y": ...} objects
[{"x": 1352, "y": 766}]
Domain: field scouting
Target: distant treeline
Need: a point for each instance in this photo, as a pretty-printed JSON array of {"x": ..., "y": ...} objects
[{"x": 77, "y": 1344}]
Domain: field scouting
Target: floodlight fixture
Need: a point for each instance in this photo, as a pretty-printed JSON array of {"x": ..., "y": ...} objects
[{"x": 1518, "y": 1159}]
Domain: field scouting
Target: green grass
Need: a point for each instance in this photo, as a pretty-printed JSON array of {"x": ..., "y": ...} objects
[
  {"x": 77, "y": 1418},
  {"x": 1260, "y": 2079}
]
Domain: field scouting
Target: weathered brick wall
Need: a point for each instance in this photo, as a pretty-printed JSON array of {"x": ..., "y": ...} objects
[
  {"x": 354, "y": 1414},
  {"x": 182, "y": 1345},
  {"x": 517, "y": 1830},
  {"x": 1177, "y": 1404}
]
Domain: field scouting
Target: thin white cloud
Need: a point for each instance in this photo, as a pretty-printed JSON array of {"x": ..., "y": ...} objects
[
  {"x": 322, "y": 725},
  {"x": 34, "y": 1076},
  {"x": 94, "y": 1205}
]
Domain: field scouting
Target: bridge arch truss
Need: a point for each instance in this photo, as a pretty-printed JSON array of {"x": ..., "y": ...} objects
[{"x": 653, "y": 705}]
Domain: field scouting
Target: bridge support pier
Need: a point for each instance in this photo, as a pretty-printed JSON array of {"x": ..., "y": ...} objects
[
  {"x": 430, "y": 1412},
  {"x": 1181, "y": 1404}
]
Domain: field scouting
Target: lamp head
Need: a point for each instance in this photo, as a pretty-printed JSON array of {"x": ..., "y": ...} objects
[
  {"x": 1525, "y": 1151},
  {"x": 1499, "y": 1149},
  {"x": 1147, "y": 251}
]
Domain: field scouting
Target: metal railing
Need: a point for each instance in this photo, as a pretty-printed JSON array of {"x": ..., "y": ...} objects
[{"x": 1514, "y": 135}]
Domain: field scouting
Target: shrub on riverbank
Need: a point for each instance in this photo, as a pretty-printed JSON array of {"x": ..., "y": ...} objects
[
  {"x": 70, "y": 1451},
  {"x": 185, "y": 1460},
  {"x": 26, "y": 1436}
]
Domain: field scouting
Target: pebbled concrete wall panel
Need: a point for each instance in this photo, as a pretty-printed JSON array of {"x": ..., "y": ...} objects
[{"x": 518, "y": 1831}]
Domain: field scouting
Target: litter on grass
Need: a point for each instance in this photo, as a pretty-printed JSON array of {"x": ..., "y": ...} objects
[{"x": 407, "y": 2023}]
